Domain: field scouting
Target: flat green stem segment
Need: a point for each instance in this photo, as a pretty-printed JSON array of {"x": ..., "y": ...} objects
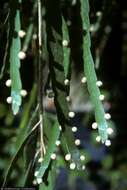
[
  {"x": 15, "y": 47},
  {"x": 30, "y": 29},
  {"x": 50, "y": 149},
  {"x": 43, "y": 186},
  {"x": 56, "y": 65},
  {"x": 90, "y": 73},
  {"x": 28, "y": 37},
  {"x": 28, "y": 107},
  {"x": 66, "y": 49}
]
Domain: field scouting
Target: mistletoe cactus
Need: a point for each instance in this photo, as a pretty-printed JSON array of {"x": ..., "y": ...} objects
[{"x": 46, "y": 136}]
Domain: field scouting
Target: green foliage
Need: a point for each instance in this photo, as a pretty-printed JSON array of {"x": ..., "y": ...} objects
[
  {"x": 15, "y": 48},
  {"x": 66, "y": 49},
  {"x": 46, "y": 114},
  {"x": 50, "y": 149},
  {"x": 58, "y": 77},
  {"x": 90, "y": 74}
]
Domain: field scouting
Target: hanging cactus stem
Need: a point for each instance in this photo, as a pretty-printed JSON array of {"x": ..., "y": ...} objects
[
  {"x": 15, "y": 48},
  {"x": 90, "y": 74},
  {"x": 50, "y": 80}
]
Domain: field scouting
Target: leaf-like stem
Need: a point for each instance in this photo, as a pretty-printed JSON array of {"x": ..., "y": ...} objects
[
  {"x": 56, "y": 65},
  {"x": 14, "y": 59},
  {"x": 89, "y": 71},
  {"x": 50, "y": 149},
  {"x": 66, "y": 49}
]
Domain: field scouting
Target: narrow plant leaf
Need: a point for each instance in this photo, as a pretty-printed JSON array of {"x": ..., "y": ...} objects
[
  {"x": 27, "y": 37},
  {"x": 66, "y": 49},
  {"x": 50, "y": 149},
  {"x": 27, "y": 177},
  {"x": 25, "y": 124},
  {"x": 3, "y": 68},
  {"x": 29, "y": 155},
  {"x": 49, "y": 186},
  {"x": 15, "y": 48},
  {"x": 21, "y": 142},
  {"x": 14, "y": 159},
  {"x": 28, "y": 106},
  {"x": 49, "y": 120},
  {"x": 90, "y": 73},
  {"x": 56, "y": 65},
  {"x": 30, "y": 29}
]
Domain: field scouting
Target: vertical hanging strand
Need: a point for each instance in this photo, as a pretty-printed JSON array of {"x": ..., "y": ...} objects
[
  {"x": 40, "y": 78},
  {"x": 15, "y": 47},
  {"x": 91, "y": 75}
]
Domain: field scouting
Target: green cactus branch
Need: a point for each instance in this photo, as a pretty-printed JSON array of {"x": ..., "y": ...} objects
[
  {"x": 66, "y": 49},
  {"x": 28, "y": 37},
  {"x": 91, "y": 75},
  {"x": 56, "y": 66},
  {"x": 15, "y": 48},
  {"x": 48, "y": 135},
  {"x": 50, "y": 149}
]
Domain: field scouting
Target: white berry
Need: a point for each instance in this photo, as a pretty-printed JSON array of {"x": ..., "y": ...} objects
[
  {"x": 57, "y": 143},
  {"x": 72, "y": 166},
  {"x": 83, "y": 80},
  {"x": 36, "y": 173},
  {"x": 8, "y": 83},
  {"x": 98, "y": 138},
  {"x": 21, "y": 55},
  {"x": 71, "y": 114},
  {"x": 60, "y": 128},
  {"x": 65, "y": 43},
  {"x": 92, "y": 28},
  {"x": 99, "y": 83},
  {"x": 109, "y": 130},
  {"x": 66, "y": 82},
  {"x": 82, "y": 157},
  {"x": 94, "y": 125},
  {"x": 34, "y": 182},
  {"x": 40, "y": 160},
  {"x": 77, "y": 142},
  {"x": 9, "y": 100},
  {"x": 107, "y": 116},
  {"x": 67, "y": 157},
  {"x": 107, "y": 143},
  {"x": 83, "y": 167},
  {"x": 23, "y": 92},
  {"x": 68, "y": 98},
  {"x": 101, "y": 97},
  {"x": 39, "y": 180},
  {"x": 21, "y": 33},
  {"x": 53, "y": 156},
  {"x": 74, "y": 129},
  {"x": 99, "y": 13}
]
